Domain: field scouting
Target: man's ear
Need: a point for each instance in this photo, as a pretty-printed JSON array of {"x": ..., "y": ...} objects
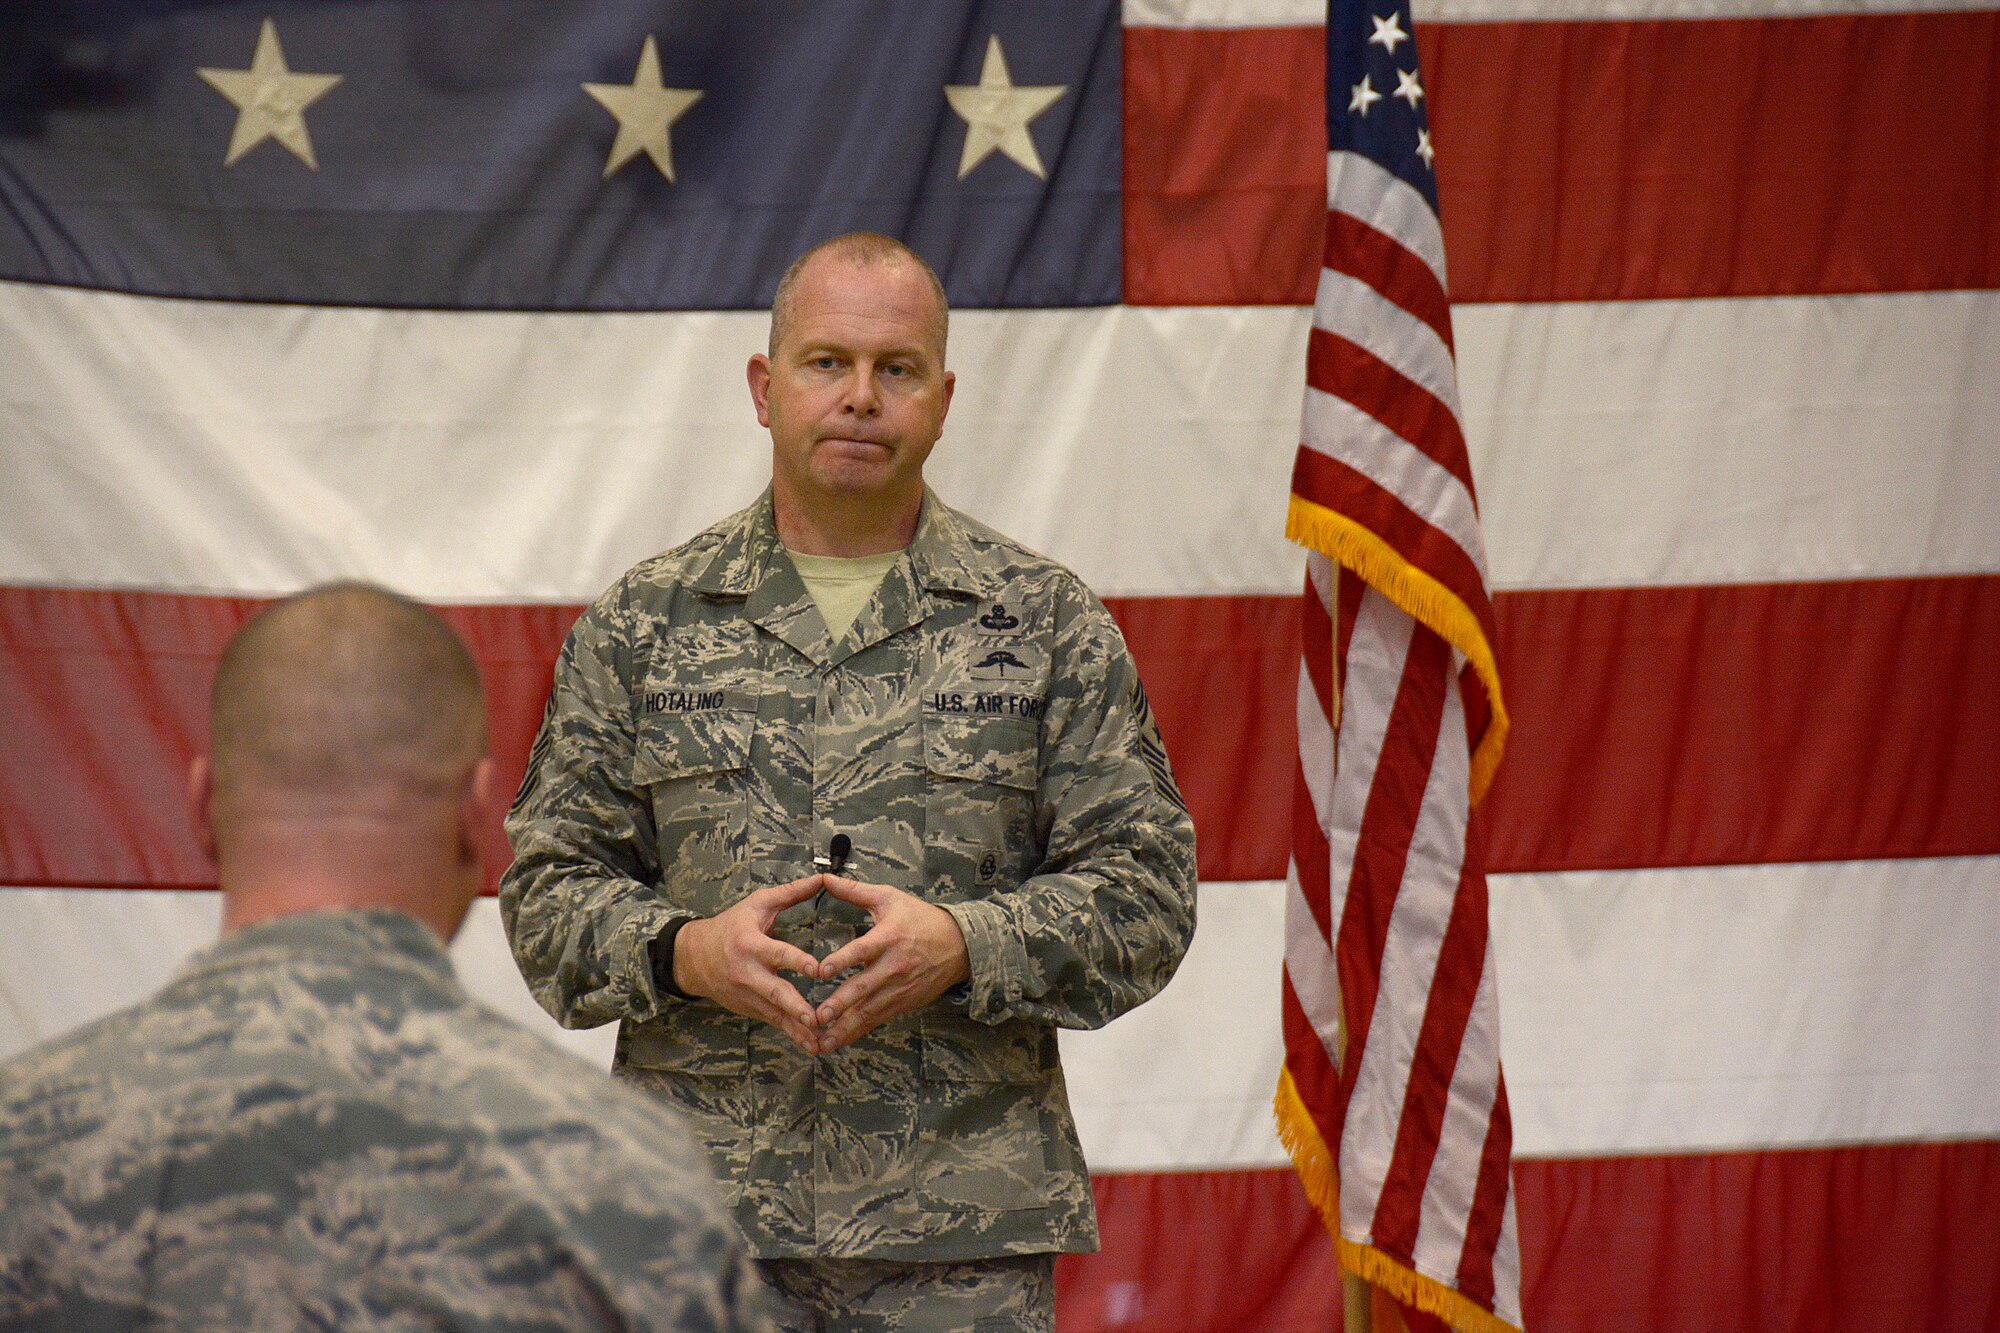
[
  {"x": 759, "y": 373},
  {"x": 201, "y": 803},
  {"x": 481, "y": 804}
]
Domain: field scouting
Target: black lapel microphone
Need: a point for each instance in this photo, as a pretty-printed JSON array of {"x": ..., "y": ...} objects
[{"x": 838, "y": 850}]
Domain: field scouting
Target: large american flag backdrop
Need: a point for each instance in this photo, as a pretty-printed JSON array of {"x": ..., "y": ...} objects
[{"x": 385, "y": 290}]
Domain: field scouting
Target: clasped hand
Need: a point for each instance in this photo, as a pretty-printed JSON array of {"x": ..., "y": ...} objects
[{"x": 912, "y": 954}]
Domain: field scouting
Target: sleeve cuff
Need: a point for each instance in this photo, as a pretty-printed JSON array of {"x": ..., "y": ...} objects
[
  {"x": 995, "y": 956},
  {"x": 661, "y": 953},
  {"x": 645, "y": 928}
]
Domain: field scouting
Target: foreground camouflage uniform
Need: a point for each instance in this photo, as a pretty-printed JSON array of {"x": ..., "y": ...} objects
[
  {"x": 981, "y": 736},
  {"x": 314, "y": 1127},
  {"x": 1013, "y": 1294}
]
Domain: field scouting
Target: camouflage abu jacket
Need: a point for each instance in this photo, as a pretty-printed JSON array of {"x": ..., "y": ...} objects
[
  {"x": 314, "y": 1127},
  {"x": 981, "y": 736}
]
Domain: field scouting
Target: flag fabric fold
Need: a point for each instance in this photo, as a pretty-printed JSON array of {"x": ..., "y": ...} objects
[{"x": 1391, "y": 1101}]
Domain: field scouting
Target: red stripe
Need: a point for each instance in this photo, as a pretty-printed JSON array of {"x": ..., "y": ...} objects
[
  {"x": 108, "y": 701},
  {"x": 1358, "y": 250},
  {"x": 1832, "y": 1239},
  {"x": 1316, "y": 634},
  {"x": 1349, "y": 371},
  {"x": 1201, "y": 1252},
  {"x": 1225, "y": 165},
  {"x": 1420, "y": 1130},
  {"x": 1382, "y": 842},
  {"x": 1489, "y": 1201},
  {"x": 1309, "y": 847},
  {"x": 1349, "y": 609},
  {"x": 1230, "y": 667},
  {"x": 1839, "y": 1240},
  {"x": 1310, "y": 860},
  {"x": 1653, "y": 727},
  {"x": 1329, "y": 482},
  {"x": 1773, "y": 722},
  {"x": 1314, "y": 1074},
  {"x": 1478, "y": 705},
  {"x": 1642, "y": 160}
]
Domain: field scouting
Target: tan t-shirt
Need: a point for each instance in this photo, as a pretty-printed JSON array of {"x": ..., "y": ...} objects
[{"x": 841, "y": 585}]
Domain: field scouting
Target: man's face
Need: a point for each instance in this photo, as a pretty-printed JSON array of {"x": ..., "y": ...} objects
[{"x": 855, "y": 394}]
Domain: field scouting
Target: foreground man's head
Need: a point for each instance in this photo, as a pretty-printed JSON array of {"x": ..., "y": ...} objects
[{"x": 348, "y": 767}]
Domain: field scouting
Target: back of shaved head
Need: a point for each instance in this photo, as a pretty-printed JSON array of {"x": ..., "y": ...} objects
[{"x": 345, "y": 697}]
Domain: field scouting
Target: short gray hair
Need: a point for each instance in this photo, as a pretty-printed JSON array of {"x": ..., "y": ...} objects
[
  {"x": 342, "y": 691},
  {"x": 860, "y": 248}
]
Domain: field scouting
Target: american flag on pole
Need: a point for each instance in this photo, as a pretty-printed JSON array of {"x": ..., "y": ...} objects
[{"x": 1391, "y": 1100}]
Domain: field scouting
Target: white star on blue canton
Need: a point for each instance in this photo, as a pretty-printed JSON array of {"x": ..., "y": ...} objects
[
  {"x": 1363, "y": 96},
  {"x": 1388, "y": 32},
  {"x": 1424, "y": 149},
  {"x": 1408, "y": 88}
]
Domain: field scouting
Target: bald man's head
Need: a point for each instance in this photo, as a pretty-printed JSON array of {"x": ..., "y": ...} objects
[
  {"x": 344, "y": 698},
  {"x": 863, "y": 249}
]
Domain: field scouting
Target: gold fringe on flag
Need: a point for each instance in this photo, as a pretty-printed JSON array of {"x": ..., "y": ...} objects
[
  {"x": 1321, "y": 1177},
  {"x": 1429, "y": 602}
]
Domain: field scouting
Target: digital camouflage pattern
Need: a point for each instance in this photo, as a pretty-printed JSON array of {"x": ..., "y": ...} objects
[
  {"x": 1013, "y": 1294},
  {"x": 981, "y": 735},
  {"x": 314, "y": 1127}
]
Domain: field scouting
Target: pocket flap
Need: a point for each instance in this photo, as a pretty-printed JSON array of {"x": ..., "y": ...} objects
[
  {"x": 958, "y": 1050},
  {"x": 685, "y": 745},
  {"x": 1000, "y": 750},
  {"x": 695, "y": 1038}
]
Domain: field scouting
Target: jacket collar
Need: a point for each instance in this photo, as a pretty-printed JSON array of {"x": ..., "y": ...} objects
[
  {"x": 749, "y": 562},
  {"x": 748, "y": 553},
  {"x": 372, "y": 938}
]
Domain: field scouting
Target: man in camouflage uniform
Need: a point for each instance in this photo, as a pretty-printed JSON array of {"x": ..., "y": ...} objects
[
  {"x": 313, "y": 1126},
  {"x": 938, "y": 803}
]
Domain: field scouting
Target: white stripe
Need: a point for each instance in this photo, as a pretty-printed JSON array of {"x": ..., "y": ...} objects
[
  {"x": 1570, "y": 11},
  {"x": 479, "y": 457},
  {"x": 1307, "y": 13},
  {"x": 1308, "y": 954},
  {"x": 1173, "y": 1083},
  {"x": 1309, "y": 964},
  {"x": 1316, "y": 752},
  {"x": 1375, "y": 653},
  {"x": 1364, "y": 189},
  {"x": 1712, "y": 1008},
  {"x": 1454, "y": 1176},
  {"x": 1664, "y": 442},
  {"x": 1337, "y": 428},
  {"x": 1507, "y": 1266},
  {"x": 476, "y": 456},
  {"x": 1410, "y": 952},
  {"x": 1325, "y": 578},
  {"x": 1357, "y": 312},
  {"x": 68, "y": 956},
  {"x": 1742, "y": 1007}
]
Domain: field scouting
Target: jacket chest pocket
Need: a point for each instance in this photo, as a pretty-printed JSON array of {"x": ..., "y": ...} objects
[
  {"x": 979, "y": 803},
  {"x": 695, "y": 767}
]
